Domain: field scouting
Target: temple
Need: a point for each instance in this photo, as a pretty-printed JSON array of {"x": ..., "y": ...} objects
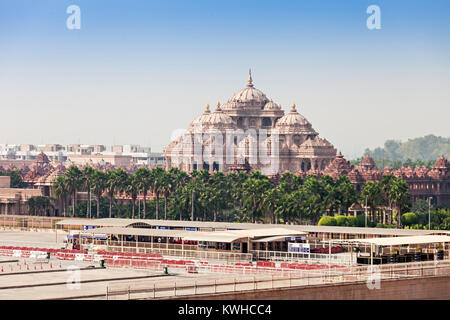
[{"x": 265, "y": 129}]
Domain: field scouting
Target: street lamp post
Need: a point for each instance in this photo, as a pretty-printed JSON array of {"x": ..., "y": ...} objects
[
  {"x": 90, "y": 202},
  {"x": 139, "y": 204},
  {"x": 365, "y": 211},
  {"x": 429, "y": 213},
  {"x": 192, "y": 211}
]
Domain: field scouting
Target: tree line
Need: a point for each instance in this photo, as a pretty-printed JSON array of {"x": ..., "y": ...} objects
[
  {"x": 422, "y": 151},
  {"x": 238, "y": 197}
]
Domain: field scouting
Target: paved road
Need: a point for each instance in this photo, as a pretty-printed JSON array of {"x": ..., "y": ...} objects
[{"x": 32, "y": 239}]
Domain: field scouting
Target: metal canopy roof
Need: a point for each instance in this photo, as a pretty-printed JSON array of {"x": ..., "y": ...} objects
[
  {"x": 118, "y": 222},
  {"x": 232, "y": 235},
  {"x": 139, "y": 232},
  {"x": 213, "y": 236},
  {"x": 274, "y": 238},
  {"x": 393, "y": 241}
]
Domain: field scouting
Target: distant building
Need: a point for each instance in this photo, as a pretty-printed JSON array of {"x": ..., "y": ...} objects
[
  {"x": 102, "y": 159},
  {"x": 27, "y": 147},
  {"x": 423, "y": 183},
  {"x": 48, "y": 148},
  {"x": 14, "y": 200}
]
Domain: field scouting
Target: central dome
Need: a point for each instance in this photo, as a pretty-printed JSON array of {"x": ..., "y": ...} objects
[{"x": 249, "y": 96}]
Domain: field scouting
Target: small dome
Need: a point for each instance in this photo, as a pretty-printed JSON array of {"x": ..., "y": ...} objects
[
  {"x": 441, "y": 163},
  {"x": 294, "y": 122},
  {"x": 202, "y": 118},
  {"x": 42, "y": 158},
  {"x": 272, "y": 106},
  {"x": 218, "y": 119},
  {"x": 368, "y": 163}
]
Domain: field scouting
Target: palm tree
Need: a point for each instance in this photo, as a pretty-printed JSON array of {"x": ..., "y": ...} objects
[
  {"x": 372, "y": 192},
  {"x": 346, "y": 194},
  {"x": 99, "y": 179},
  {"x": 399, "y": 196},
  {"x": 329, "y": 194},
  {"x": 295, "y": 204},
  {"x": 289, "y": 182},
  {"x": 73, "y": 178},
  {"x": 39, "y": 204},
  {"x": 180, "y": 180},
  {"x": 121, "y": 182},
  {"x": 219, "y": 193},
  {"x": 157, "y": 179},
  {"x": 132, "y": 191},
  {"x": 32, "y": 205},
  {"x": 253, "y": 193},
  {"x": 61, "y": 191},
  {"x": 111, "y": 185},
  {"x": 143, "y": 180},
  {"x": 43, "y": 203},
  {"x": 115, "y": 183},
  {"x": 88, "y": 173},
  {"x": 167, "y": 186},
  {"x": 271, "y": 201},
  {"x": 236, "y": 181},
  {"x": 386, "y": 186},
  {"x": 314, "y": 193}
]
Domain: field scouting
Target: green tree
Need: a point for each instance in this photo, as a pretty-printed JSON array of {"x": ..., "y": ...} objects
[
  {"x": 144, "y": 183},
  {"x": 132, "y": 189},
  {"x": 372, "y": 193},
  {"x": 62, "y": 191},
  {"x": 74, "y": 181},
  {"x": 87, "y": 182},
  {"x": 399, "y": 196},
  {"x": 345, "y": 194},
  {"x": 99, "y": 179},
  {"x": 157, "y": 179},
  {"x": 253, "y": 193},
  {"x": 271, "y": 201}
]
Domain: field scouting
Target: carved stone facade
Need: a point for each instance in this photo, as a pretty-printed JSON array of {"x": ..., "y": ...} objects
[
  {"x": 423, "y": 183},
  {"x": 288, "y": 140}
]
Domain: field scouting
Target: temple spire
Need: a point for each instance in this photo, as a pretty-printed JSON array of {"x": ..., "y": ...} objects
[{"x": 250, "y": 80}]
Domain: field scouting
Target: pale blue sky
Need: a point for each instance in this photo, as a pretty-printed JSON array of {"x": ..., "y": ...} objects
[{"x": 138, "y": 70}]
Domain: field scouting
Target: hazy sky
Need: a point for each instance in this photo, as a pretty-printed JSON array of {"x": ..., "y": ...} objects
[{"x": 138, "y": 70}]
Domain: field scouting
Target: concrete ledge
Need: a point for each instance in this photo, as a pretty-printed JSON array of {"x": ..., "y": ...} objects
[{"x": 429, "y": 288}]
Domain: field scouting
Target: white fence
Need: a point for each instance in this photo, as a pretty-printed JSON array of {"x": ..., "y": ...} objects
[
  {"x": 344, "y": 258},
  {"x": 183, "y": 288}
]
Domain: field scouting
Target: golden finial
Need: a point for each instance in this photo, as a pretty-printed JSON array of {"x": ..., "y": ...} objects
[
  {"x": 293, "y": 107},
  {"x": 207, "y": 107},
  {"x": 250, "y": 80},
  {"x": 218, "y": 104}
]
